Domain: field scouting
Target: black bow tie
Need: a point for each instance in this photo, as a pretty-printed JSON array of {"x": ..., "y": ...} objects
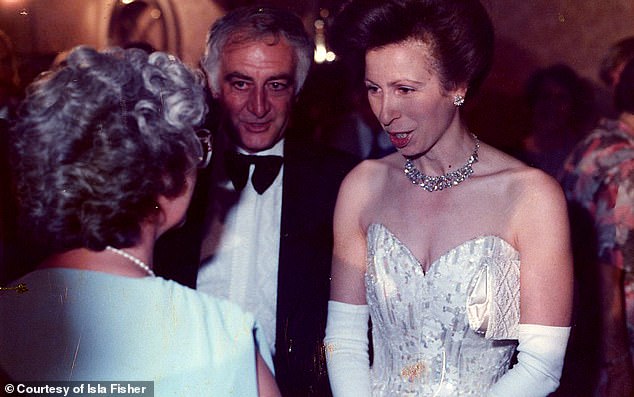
[{"x": 266, "y": 169}]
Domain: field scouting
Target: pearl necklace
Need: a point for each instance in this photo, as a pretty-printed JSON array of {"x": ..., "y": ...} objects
[
  {"x": 132, "y": 259},
  {"x": 436, "y": 183}
]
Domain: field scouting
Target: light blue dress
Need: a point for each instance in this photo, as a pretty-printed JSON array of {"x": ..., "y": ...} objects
[{"x": 77, "y": 325}]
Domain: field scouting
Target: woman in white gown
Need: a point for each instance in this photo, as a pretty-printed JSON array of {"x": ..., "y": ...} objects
[{"x": 459, "y": 253}]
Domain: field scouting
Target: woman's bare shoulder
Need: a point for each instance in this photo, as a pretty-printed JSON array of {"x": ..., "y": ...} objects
[
  {"x": 513, "y": 171},
  {"x": 519, "y": 183}
]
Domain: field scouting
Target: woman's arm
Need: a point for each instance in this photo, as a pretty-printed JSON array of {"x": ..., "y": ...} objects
[
  {"x": 349, "y": 250},
  {"x": 346, "y": 338},
  {"x": 542, "y": 237},
  {"x": 543, "y": 240},
  {"x": 266, "y": 382}
]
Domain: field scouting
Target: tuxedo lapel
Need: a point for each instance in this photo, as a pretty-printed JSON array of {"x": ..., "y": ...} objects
[
  {"x": 290, "y": 269},
  {"x": 305, "y": 232},
  {"x": 311, "y": 182}
]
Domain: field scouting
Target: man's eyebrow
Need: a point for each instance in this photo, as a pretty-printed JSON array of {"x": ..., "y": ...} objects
[
  {"x": 241, "y": 76},
  {"x": 237, "y": 75},
  {"x": 283, "y": 76}
]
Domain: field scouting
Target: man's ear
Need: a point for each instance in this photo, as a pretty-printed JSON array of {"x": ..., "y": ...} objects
[
  {"x": 207, "y": 76},
  {"x": 214, "y": 94}
]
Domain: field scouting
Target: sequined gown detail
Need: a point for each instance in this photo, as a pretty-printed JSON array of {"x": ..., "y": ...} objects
[{"x": 423, "y": 345}]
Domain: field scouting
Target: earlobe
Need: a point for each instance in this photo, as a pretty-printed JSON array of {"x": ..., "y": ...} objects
[
  {"x": 165, "y": 218},
  {"x": 160, "y": 215},
  {"x": 172, "y": 210},
  {"x": 459, "y": 96}
]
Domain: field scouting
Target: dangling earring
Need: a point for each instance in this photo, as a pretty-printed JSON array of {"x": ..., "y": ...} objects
[{"x": 458, "y": 100}]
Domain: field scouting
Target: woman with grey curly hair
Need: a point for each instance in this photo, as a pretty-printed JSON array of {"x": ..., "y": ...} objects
[{"x": 104, "y": 157}]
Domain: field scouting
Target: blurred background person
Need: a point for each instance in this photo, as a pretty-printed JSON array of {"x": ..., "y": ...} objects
[
  {"x": 560, "y": 106},
  {"x": 104, "y": 157},
  {"x": 614, "y": 61},
  {"x": 337, "y": 107},
  {"x": 610, "y": 70},
  {"x": 598, "y": 184}
]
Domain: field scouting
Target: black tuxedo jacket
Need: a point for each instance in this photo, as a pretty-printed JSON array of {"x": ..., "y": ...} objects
[{"x": 312, "y": 175}]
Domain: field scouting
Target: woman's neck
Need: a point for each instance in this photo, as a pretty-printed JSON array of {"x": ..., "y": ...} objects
[
  {"x": 105, "y": 261},
  {"x": 130, "y": 262},
  {"x": 447, "y": 155}
]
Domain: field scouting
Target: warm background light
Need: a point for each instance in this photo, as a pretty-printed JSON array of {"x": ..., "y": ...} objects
[{"x": 11, "y": 2}]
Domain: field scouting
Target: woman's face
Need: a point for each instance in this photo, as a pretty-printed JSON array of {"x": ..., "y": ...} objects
[{"x": 407, "y": 97}]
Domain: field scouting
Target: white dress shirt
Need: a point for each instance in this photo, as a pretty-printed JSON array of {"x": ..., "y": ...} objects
[{"x": 244, "y": 267}]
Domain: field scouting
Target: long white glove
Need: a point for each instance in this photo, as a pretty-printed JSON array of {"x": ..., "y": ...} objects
[
  {"x": 539, "y": 362},
  {"x": 346, "y": 344}
]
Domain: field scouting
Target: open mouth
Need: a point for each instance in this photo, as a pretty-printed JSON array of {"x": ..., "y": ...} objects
[{"x": 399, "y": 139}]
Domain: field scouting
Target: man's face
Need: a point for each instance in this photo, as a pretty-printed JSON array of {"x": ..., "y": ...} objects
[{"x": 256, "y": 91}]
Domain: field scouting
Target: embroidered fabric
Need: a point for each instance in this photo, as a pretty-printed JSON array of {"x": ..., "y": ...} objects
[
  {"x": 422, "y": 338},
  {"x": 493, "y": 307}
]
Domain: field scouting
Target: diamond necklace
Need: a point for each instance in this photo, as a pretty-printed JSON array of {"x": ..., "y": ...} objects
[
  {"x": 132, "y": 259},
  {"x": 436, "y": 183}
]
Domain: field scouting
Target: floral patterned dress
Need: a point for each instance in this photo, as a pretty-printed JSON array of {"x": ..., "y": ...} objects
[{"x": 598, "y": 180}]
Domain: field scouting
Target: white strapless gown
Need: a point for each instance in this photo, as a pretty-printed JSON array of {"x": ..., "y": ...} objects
[{"x": 423, "y": 342}]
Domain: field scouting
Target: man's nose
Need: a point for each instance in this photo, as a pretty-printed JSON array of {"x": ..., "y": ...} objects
[{"x": 258, "y": 102}]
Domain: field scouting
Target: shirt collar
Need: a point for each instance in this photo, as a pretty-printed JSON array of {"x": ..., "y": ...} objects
[{"x": 276, "y": 150}]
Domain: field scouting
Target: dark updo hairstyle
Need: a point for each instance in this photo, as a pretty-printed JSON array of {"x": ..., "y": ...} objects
[
  {"x": 459, "y": 33},
  {"x": 98, "y": 140},
  {"x": 624, "y": 91}
]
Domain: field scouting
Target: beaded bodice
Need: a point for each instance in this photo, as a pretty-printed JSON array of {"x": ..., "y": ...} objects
[{"x": 423, "y": 345}]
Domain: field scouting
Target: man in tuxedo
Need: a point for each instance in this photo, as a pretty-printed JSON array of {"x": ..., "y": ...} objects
[{"x": 259, "y": 230}]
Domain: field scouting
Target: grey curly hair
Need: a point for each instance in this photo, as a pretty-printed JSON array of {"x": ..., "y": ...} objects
[{"x": 98, "y": 140}]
